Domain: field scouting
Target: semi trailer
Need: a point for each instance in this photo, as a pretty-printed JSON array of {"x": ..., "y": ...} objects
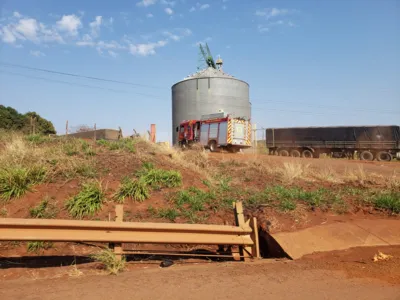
[
  {"x": 367, "y": 142},
  {"x": 215, "y": 132}
]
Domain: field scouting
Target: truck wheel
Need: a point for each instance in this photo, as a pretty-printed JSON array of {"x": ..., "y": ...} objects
[
  {"x": 307, "y": 154},
  {"x": 213, "y": 146},
  {"x": 384, "y": 156},
  {"x": 295, "y": 153},
  {"x": 283, "y": 153},
  {"x": 366, "y": 155}
]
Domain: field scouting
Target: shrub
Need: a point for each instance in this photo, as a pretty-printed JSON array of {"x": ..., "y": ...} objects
[
  {"x": 135, "y": 189},
  {"x": 87, "y": 202},
  {"x": 160, "y": 178},
  {"x": 16, "y": 181},
  {"x": 113, "y": 264}
]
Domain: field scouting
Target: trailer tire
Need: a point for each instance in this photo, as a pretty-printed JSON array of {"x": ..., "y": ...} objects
[
  {"x": 366, "y": 155},
  {"x": 384, "y": 156},
  {"x": 295, "y": 153},
  {"x": 307, "y": 154},
  {"x": 283, "y": 153}
]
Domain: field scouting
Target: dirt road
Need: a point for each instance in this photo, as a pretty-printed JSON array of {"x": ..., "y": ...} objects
[{"x": 257, "y": 280}]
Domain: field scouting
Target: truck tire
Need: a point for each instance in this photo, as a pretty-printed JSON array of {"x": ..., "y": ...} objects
[
  {"x": 283, "y": 153},
  {"x": 384, "y": 156},
  {"x": 295, "y": 153},
  {"x": 213, "y": 146},
  {"x": 366, "y": 155},
  {"x": 307, "y": 154}
]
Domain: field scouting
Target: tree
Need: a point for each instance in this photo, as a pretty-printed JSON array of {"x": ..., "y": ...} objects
[{"x": 10, "y": 119}]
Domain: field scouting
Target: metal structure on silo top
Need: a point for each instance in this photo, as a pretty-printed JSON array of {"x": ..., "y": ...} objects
[{"x": 206, "y": 92}]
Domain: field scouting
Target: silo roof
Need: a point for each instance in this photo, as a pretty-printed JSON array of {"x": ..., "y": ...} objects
[{"x": 209, "y": 72}]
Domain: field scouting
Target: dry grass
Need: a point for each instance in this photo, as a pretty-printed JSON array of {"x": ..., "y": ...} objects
[
  {"x": 111, "y": 262},
  {"x": 328, "y": 175},
  {"x": 292, "y": 171}
]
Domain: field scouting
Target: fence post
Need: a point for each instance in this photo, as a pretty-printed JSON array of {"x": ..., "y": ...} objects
[
  {"x": 94, "y": 135},
  {"x": 245, "y": 251},
  {"x": 66, "y": 128},
  {"x": 254, "y": 236}
]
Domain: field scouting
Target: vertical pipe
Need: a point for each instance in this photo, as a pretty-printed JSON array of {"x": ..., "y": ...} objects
[{"x": 153, "y": 133}]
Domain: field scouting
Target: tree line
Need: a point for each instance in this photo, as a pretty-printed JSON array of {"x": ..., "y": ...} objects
[{"x": 29, "y": 123}]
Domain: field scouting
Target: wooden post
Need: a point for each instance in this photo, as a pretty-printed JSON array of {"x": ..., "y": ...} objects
[
  {"x": 245, "y": 251},
  {"x": 254, "y": 236},
  {"x": 119, "y": 213},
  {"x": 66, "y": 128},
  {"x": 94, "y": 136}
]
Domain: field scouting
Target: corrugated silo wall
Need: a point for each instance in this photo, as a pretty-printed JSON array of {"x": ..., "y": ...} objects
[{"x": 195, "y": 97}]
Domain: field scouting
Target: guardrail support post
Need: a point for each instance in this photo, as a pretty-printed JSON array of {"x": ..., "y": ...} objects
[
  {"x": 119, "y": 216},
  {"x": 245, "y": 251},
  {"x": 254, "y": 237}
]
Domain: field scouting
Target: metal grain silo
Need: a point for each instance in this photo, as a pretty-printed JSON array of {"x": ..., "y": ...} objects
[{"x": 206, "y": 92}]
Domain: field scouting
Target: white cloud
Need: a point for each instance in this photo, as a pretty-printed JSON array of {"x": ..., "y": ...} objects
[
  {"x": 146, "y": 49},
  {"x": 95, "y": 26},
  {"x": 49, "y": 35},
  {"x": 17, "y": 15},
  {"x": 170, "y": 3},
  {"x": 86, "y": 41},
  {"x": 69, "y": 24},
  {"x": 28, "y": 28},
  {"x": 204, "y": 6},
  {"x": 112, "y": 53},
  {"x": 178, "y": 33},
  {"x": 262, "y": 29},
  {"x": 7, "y": 35},
  {"x": 149, "y": 15},
  {"x": 169, "y": 11},
  {"x": 146, "y": 3},
  {"x": 192, "y": 9},
  {"x": 269, "y": 13},
  {"x": 37, "y": 53}
]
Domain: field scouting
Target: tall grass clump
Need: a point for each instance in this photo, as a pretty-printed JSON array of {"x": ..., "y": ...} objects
[
  {"x": 132, "y": 188},
  {"x": 292, "y": 171},
  {"x": 158, "y": 178},
  {"x": 87, "y": 202},
  {"x": 389, "y": 200},
  {"x": 38, "y": 245},
  {"x": 16, "y": 181},
  {"x": 112, "y": 263}
]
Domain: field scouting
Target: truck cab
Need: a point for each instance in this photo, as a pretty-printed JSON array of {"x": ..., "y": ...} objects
[{"x": 189, "y": 132}]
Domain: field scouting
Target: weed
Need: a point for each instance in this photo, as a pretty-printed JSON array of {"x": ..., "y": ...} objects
[
  {"x": 387, "y": 200},
  {"x": 86, "y": 170},
  {"x": 84, "y": 144},
  {"x": 87, "y": 202},
  {"x": 167, "y": 213},
  {"x": 70, "y": 149},
  {"x": 224, "y": 183},
  {"x": 159, "y": 177},
  {"x": 90, "y": 152},
  {"x": 37, "y": 139},
  {"x": 38, "y": 246},
  {"x": 103, "y": 143},
  {"x": 3, "y": 212},
  {"x": 287, "y": 205},
  {"x": 16, "y": 181},
  {"x": 113, "y": 264},
  {"x": 43, "y": 210},
  {"x": 292, "y": 171},
  {"x": 135, "y": 189},
  {"x": 126, "y": 144}
]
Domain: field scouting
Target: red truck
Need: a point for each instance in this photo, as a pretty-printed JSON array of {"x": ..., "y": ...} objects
[{"x": 215, "y": 132}]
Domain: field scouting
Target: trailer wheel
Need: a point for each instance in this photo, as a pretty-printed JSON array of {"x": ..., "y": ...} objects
[
  {"x": 283, "y": 153},
  {"x": 307, "y": 154},
  {"x": 213, "y": 146},
  {"x": 295, "y": 153},
  {"x": 384, "y": 156},
  {"x": 366, "y": 155}
]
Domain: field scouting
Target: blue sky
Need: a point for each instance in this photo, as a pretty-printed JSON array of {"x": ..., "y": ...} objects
[{"x": 308, "y": 62}]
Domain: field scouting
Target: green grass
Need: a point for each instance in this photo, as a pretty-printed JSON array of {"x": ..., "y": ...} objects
[
  {"x": 44, "y": 210},
  {"x": 287, "y": 205},
  {"x": 132, "y": 188},
  {"x": 158, "y": 178},
  {"x": 87, "y": 202},
  {"x": 389, "y": 200},
  {"x": 108, "y": 258},
  {"x": 70, "y": 149},
  {"x": 124, "y": 145},
  {"x": 103, "y": 143},
  {"x": 16, "y": 181},
  {"x": 37, "y": 139},
  {"x": 38, "y": 246},
  {"x": 167, "y": 213},
  {"x": 3, "y": 212}
]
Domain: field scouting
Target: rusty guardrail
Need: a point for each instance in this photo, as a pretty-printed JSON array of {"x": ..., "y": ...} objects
[{"x": 244, "y": 235}]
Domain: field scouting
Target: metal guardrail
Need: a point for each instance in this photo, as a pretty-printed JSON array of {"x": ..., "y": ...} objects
[{"x": 244, "y": 235}]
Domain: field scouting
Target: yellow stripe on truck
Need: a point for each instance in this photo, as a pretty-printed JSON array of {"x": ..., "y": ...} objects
[{"x": 229, "y": 137}]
